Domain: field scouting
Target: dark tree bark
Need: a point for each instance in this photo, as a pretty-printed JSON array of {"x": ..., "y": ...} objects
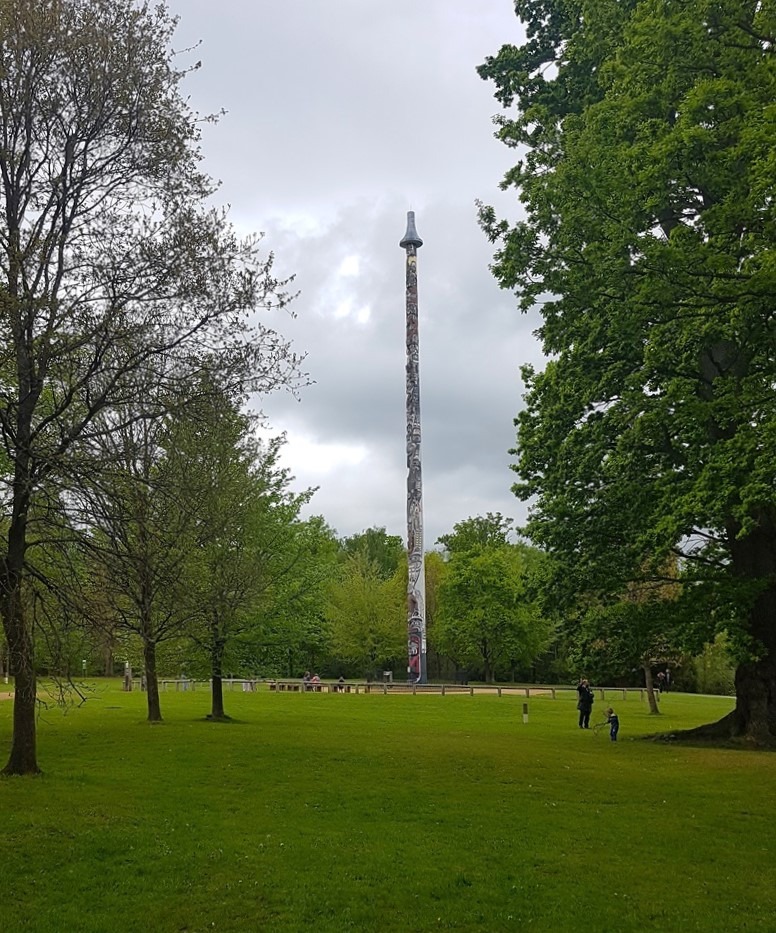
[
  {"x": 21, "y": 655},
  {"x": 23, "y": 756},
  {"x": 217, "y": 690},
  {"x": 754, "y": 558},
  {"x": 152, "y": 682},
  {"x": 650, "y": 685}
]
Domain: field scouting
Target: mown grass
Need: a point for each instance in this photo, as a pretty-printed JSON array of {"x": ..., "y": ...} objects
[{"x": 344, "y": 812}]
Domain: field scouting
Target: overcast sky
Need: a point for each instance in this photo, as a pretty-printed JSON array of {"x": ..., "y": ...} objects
[{"x": 341, "y": 117}]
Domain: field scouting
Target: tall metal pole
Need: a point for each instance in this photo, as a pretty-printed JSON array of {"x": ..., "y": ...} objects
[{"x": 416, "y": 582}]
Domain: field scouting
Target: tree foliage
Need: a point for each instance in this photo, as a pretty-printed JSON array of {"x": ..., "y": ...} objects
[
  {"x": 368, "y": 615},
  {"x": 489, "y": 617},
  {"x": 645, "y": 135},
  {"x": 115, "y": 274},
  {"x": 246, "y": 542},
  {"x": 385, "y": 551},
  {"x": 492, "y": 530}
]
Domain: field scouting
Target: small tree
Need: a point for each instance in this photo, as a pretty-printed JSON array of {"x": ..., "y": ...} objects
[
  {"x": 247, "y": 537},
  {"x": 143, "y": 526}
]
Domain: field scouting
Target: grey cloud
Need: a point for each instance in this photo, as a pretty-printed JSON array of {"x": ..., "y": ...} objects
[{"x": 341, "y": 116}]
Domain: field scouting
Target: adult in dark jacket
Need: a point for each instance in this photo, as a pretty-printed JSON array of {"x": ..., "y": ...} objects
[{"x": 585, "y": 703}]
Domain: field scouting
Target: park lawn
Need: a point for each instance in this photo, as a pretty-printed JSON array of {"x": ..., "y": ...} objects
[{"x": 344, "y": 812}]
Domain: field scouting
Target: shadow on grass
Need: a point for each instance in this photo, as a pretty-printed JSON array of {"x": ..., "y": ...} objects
[
  {"x": 721, "y": 734},
  {"x": 223, "y": 720}
]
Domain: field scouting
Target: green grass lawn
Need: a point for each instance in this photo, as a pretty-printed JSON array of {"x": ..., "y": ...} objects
[{"x": 345, "y": 812}]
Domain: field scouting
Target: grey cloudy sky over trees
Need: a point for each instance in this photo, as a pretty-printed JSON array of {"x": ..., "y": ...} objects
[{"x": 339, "y": 118}]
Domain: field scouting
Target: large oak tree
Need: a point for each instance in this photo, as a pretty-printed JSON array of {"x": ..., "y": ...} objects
[{"x": 645, "y": 136}]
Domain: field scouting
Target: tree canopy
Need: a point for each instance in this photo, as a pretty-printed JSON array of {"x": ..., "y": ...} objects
[
  {"x": 488, "y": 613},
  {"x": 645, "y": 135},
  {"x": 117, "y": 278}
]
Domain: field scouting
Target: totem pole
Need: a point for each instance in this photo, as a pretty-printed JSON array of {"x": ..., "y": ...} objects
[{"x": 416, "y": 582}]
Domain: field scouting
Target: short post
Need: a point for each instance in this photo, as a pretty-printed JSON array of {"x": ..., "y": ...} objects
[
  {"x": 525, "y": 713},
  {"x": 471, "y": 691},
  {"x": 527, "y": 692},
  {"x": 443, "y": 689},
  {"x": 499, "y": 691},
  {"x": 553, "y": 693}
]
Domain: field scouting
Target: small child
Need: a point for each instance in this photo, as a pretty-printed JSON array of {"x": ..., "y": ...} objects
[{"x": 613, "y": 721}]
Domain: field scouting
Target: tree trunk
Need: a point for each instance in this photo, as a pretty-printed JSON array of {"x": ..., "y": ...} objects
[
  {"x": 217, "y": 691},
  {"x": 21, "y": 648},
  {"x": 754, "y": 718},
  {"x": 23, "y": 757},
  {"x": 152, "y": 682},
  {"x": 654, "y": 709}
]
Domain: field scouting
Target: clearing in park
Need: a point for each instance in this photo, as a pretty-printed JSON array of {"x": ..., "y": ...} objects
[{"x": 371, "y": 812}]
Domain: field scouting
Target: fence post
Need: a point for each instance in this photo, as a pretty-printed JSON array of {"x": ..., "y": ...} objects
[
  {"x": 525, "y": 713},
  {"x": 443, "y": 689},
  {"x": 553, "y": 693},
  {"x": 499, "y": 691}
]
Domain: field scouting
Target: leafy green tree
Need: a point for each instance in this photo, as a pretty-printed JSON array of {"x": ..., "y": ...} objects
[
  {"x": 368, "y": 615},
  {"x": 294, "y": 625},
  {"x": 115, "y": 274},
  {"x": 492, "y": 530},
  {"x": 143, "y": 525},
  {"x": 713, "y": 670},
  {"x": 249, "y": 538},
  {"x": 488, "y": 613},
  {"x": 435, "y": 569},
  {"x": 385, "y": 551},
  {"x": 646, "y": 173}
]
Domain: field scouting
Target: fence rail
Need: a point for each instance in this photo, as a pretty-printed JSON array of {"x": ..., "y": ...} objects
[
  {"x": 522, "y": 690},
  {"x": 251, "y": 685}
]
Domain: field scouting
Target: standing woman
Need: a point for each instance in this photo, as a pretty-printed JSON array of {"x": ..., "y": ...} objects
[{"x": 585, "y": 703}]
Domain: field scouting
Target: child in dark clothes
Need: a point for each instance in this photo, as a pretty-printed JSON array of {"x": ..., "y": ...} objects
[{"x": 613, "y": 721}]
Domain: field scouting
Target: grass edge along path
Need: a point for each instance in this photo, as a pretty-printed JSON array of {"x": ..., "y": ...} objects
[{"x": 349, "y": 812}]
